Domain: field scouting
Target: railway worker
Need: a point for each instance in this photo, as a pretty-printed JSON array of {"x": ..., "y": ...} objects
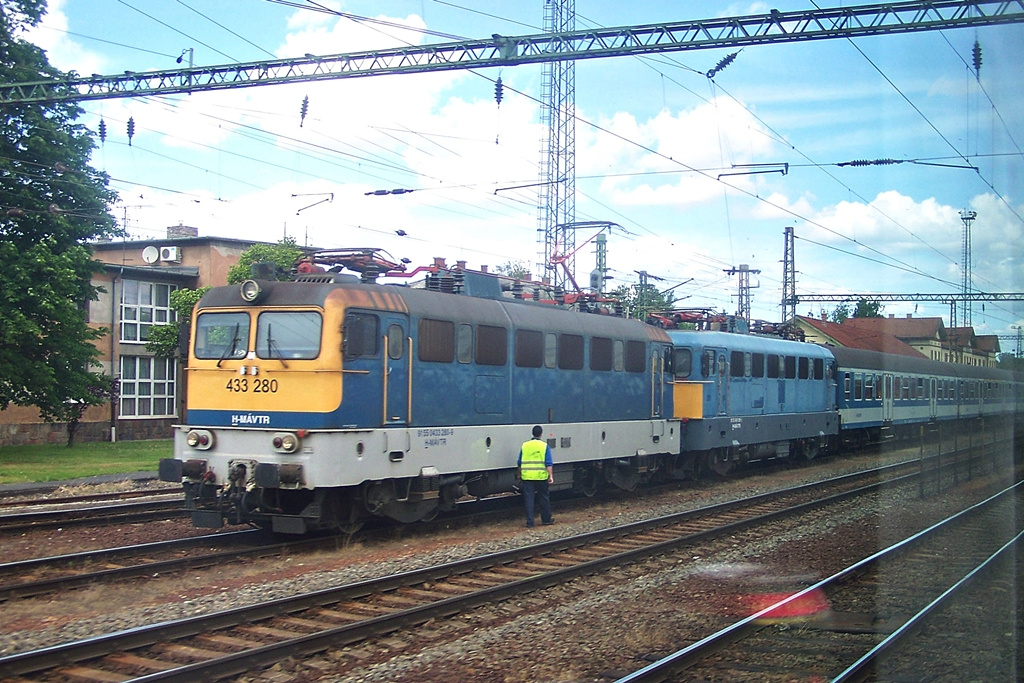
[{"x": 537, "y": 473}]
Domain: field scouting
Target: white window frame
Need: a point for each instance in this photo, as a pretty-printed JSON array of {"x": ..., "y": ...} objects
[
  {"x": 146, "y": 381},
  {"x": 140, "y": 310}
]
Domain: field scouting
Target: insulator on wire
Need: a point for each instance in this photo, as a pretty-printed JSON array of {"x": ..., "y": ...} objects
[
  {"x": 131, "y": 129},
  {"x": 103, "y": 131},
  {"x": 498, "y": 91},
  {"x": 870, "y": 162},
  {"x": 724, "y": 62},
  {"x": 303, "y": 110},
  {"x": 977, "y": 59}
]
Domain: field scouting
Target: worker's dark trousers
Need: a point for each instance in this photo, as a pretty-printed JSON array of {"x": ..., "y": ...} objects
[{"x": 536, "y": 491}]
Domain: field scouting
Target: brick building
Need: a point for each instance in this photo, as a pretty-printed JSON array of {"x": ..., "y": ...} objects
[{"x": 136, "y": 282}]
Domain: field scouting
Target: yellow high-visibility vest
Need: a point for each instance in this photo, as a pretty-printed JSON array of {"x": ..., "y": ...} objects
[{"x": 532, "y": 464}]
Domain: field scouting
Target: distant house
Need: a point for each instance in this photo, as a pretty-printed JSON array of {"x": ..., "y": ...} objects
[
  {"x": 926, "y": 337},
  {"x": 137, "y": 280}
]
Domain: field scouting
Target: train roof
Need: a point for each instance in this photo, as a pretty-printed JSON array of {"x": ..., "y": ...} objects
[
  {"x": 519, "y": 314},
  {"x": 747, "y": 342},
  {"x": 886, "y": 362}
]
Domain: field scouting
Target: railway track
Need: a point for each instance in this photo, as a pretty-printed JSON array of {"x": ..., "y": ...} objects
[
  {"x": 871, "y": 616},
  {"x": 20, "y": 501},
  {"x": 116, "y": 513},
  {"x": 230, "y": 642}
]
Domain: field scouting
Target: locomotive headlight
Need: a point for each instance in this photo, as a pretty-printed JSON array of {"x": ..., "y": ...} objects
[
  {"x": 200, "y": 439},
  {"x": 285, "y": 442},
  {"x": 250, "y": 291}
]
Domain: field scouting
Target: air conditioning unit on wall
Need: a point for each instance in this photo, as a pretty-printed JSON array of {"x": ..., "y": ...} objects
[{"x": 172, "y": 254}]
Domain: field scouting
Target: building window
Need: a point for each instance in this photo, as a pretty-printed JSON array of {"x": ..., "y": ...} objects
[
  {"x": 147, "y": 386},
  {"x": 144, "y": 304}
]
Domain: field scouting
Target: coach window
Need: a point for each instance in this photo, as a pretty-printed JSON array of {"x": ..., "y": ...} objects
[
  {"x": 570, "y": 352},
  {"x": 529, "y": 349},
  {"x": 618, "y": 355},
  {"x": 464, "y": 344},
  {"x": 636, "y": 356},
  {"x": 436, "y": 341},
  {"x": 858, "y": 387},
  {"x": 790, "y": 367},
  {"x": 803, "y": 368},
  {"x": 906, "y": 387},
  {"x": 846, "y": 386},
  {"x": 736, "y": 364},
  {"x": 773, "y": 365},
  {"x": 682, "y": 362},
  {"x": 757, "y": 365},
  {"x": 920, "y": 387},
  {"x": 600, "y": 353},
  {"x": 869, "y": 387},
  {"x": 491, "y": 345}
]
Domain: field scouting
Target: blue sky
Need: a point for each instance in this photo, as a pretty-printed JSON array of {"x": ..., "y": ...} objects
[{"x": 239, "y": 164}]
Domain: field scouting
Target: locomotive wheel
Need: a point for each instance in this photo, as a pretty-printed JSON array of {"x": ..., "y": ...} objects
[
  {"x": 809, "y": 450},
  {"x": 718, "y": 461},
  {"x": 587, "y": 480}
]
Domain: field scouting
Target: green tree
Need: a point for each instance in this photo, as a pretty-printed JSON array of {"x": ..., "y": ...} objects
[
  {"x": 165, "y": 340},
  {"x": 516, "y": 269},
  {"x": 640, "y": 300},
  {"x": 840, "y": 313},
  {"x": 51, "y": 204},
  {"x": 868, "y": 309},
  {"x": 284, "y": 254}
]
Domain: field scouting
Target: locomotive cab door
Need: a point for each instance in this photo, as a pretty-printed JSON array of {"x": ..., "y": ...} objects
[{"x": 397, "y": 370}]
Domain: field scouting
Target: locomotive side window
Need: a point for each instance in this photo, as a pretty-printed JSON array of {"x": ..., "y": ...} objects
[
  {"x": 790, "y": 367},
  {"x": 436, "y": 340},
  {"x": 757, "y": 365},
  {"x": 491, "y": 345},
  {"x": 773, "y": 365},
  {"x": 736, "y": 364},
  {"x": 359, "y": 337},
  {"x": 803, "y": 367},
  {"x": 220, "y": 336},
  {"x": 707, "y": 363},
  {"x": 465, "y": 343},
  {"x": 636, "y": 356},
  {"x": 600, "y": 353},
  {"x": 292, "y": 334},
  {"x": 570, "y": 352},
  {"x": 396, "y": 342},
  {"x": 683, "y": 362},
  {"x": 529, "y": 349},
  {"x": 550, "y": 349},
  {"x": 819, "y": 368}
]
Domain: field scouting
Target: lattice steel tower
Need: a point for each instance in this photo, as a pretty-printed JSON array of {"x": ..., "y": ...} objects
[
  {"x": 556, "y": 201},
  {"x": 788, "y": 279},
  {"x": 968, "y": 218}
]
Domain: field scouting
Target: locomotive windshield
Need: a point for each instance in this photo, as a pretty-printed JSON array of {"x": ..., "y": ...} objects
[
  {"x": 291, "y": 335},
  {"x": 222, "y": 336}
]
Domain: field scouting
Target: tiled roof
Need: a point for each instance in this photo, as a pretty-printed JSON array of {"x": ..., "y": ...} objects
[
  {"x": 855, "y": 337},
  {"x": 902, "y": 328}
]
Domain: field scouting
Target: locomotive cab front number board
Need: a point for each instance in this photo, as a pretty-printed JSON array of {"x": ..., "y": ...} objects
[{"x": 253, "y": 385}]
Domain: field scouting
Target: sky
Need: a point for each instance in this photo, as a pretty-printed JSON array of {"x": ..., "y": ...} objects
[{"x": 653, "y": 135}]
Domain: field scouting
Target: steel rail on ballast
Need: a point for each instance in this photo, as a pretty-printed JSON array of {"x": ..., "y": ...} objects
[
  {"x": 693, "y": 653},
  {"x": 233, "y": 663}
]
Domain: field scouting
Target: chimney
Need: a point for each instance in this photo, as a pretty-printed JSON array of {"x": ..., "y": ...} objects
[
  {"x": 909, "y": 316},
  {"x": 179, "y": 231},
  {"x": 483, "y": 269}
]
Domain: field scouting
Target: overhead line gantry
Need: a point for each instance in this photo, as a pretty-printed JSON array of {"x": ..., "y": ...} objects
[{"x": 504, "y": 51}]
